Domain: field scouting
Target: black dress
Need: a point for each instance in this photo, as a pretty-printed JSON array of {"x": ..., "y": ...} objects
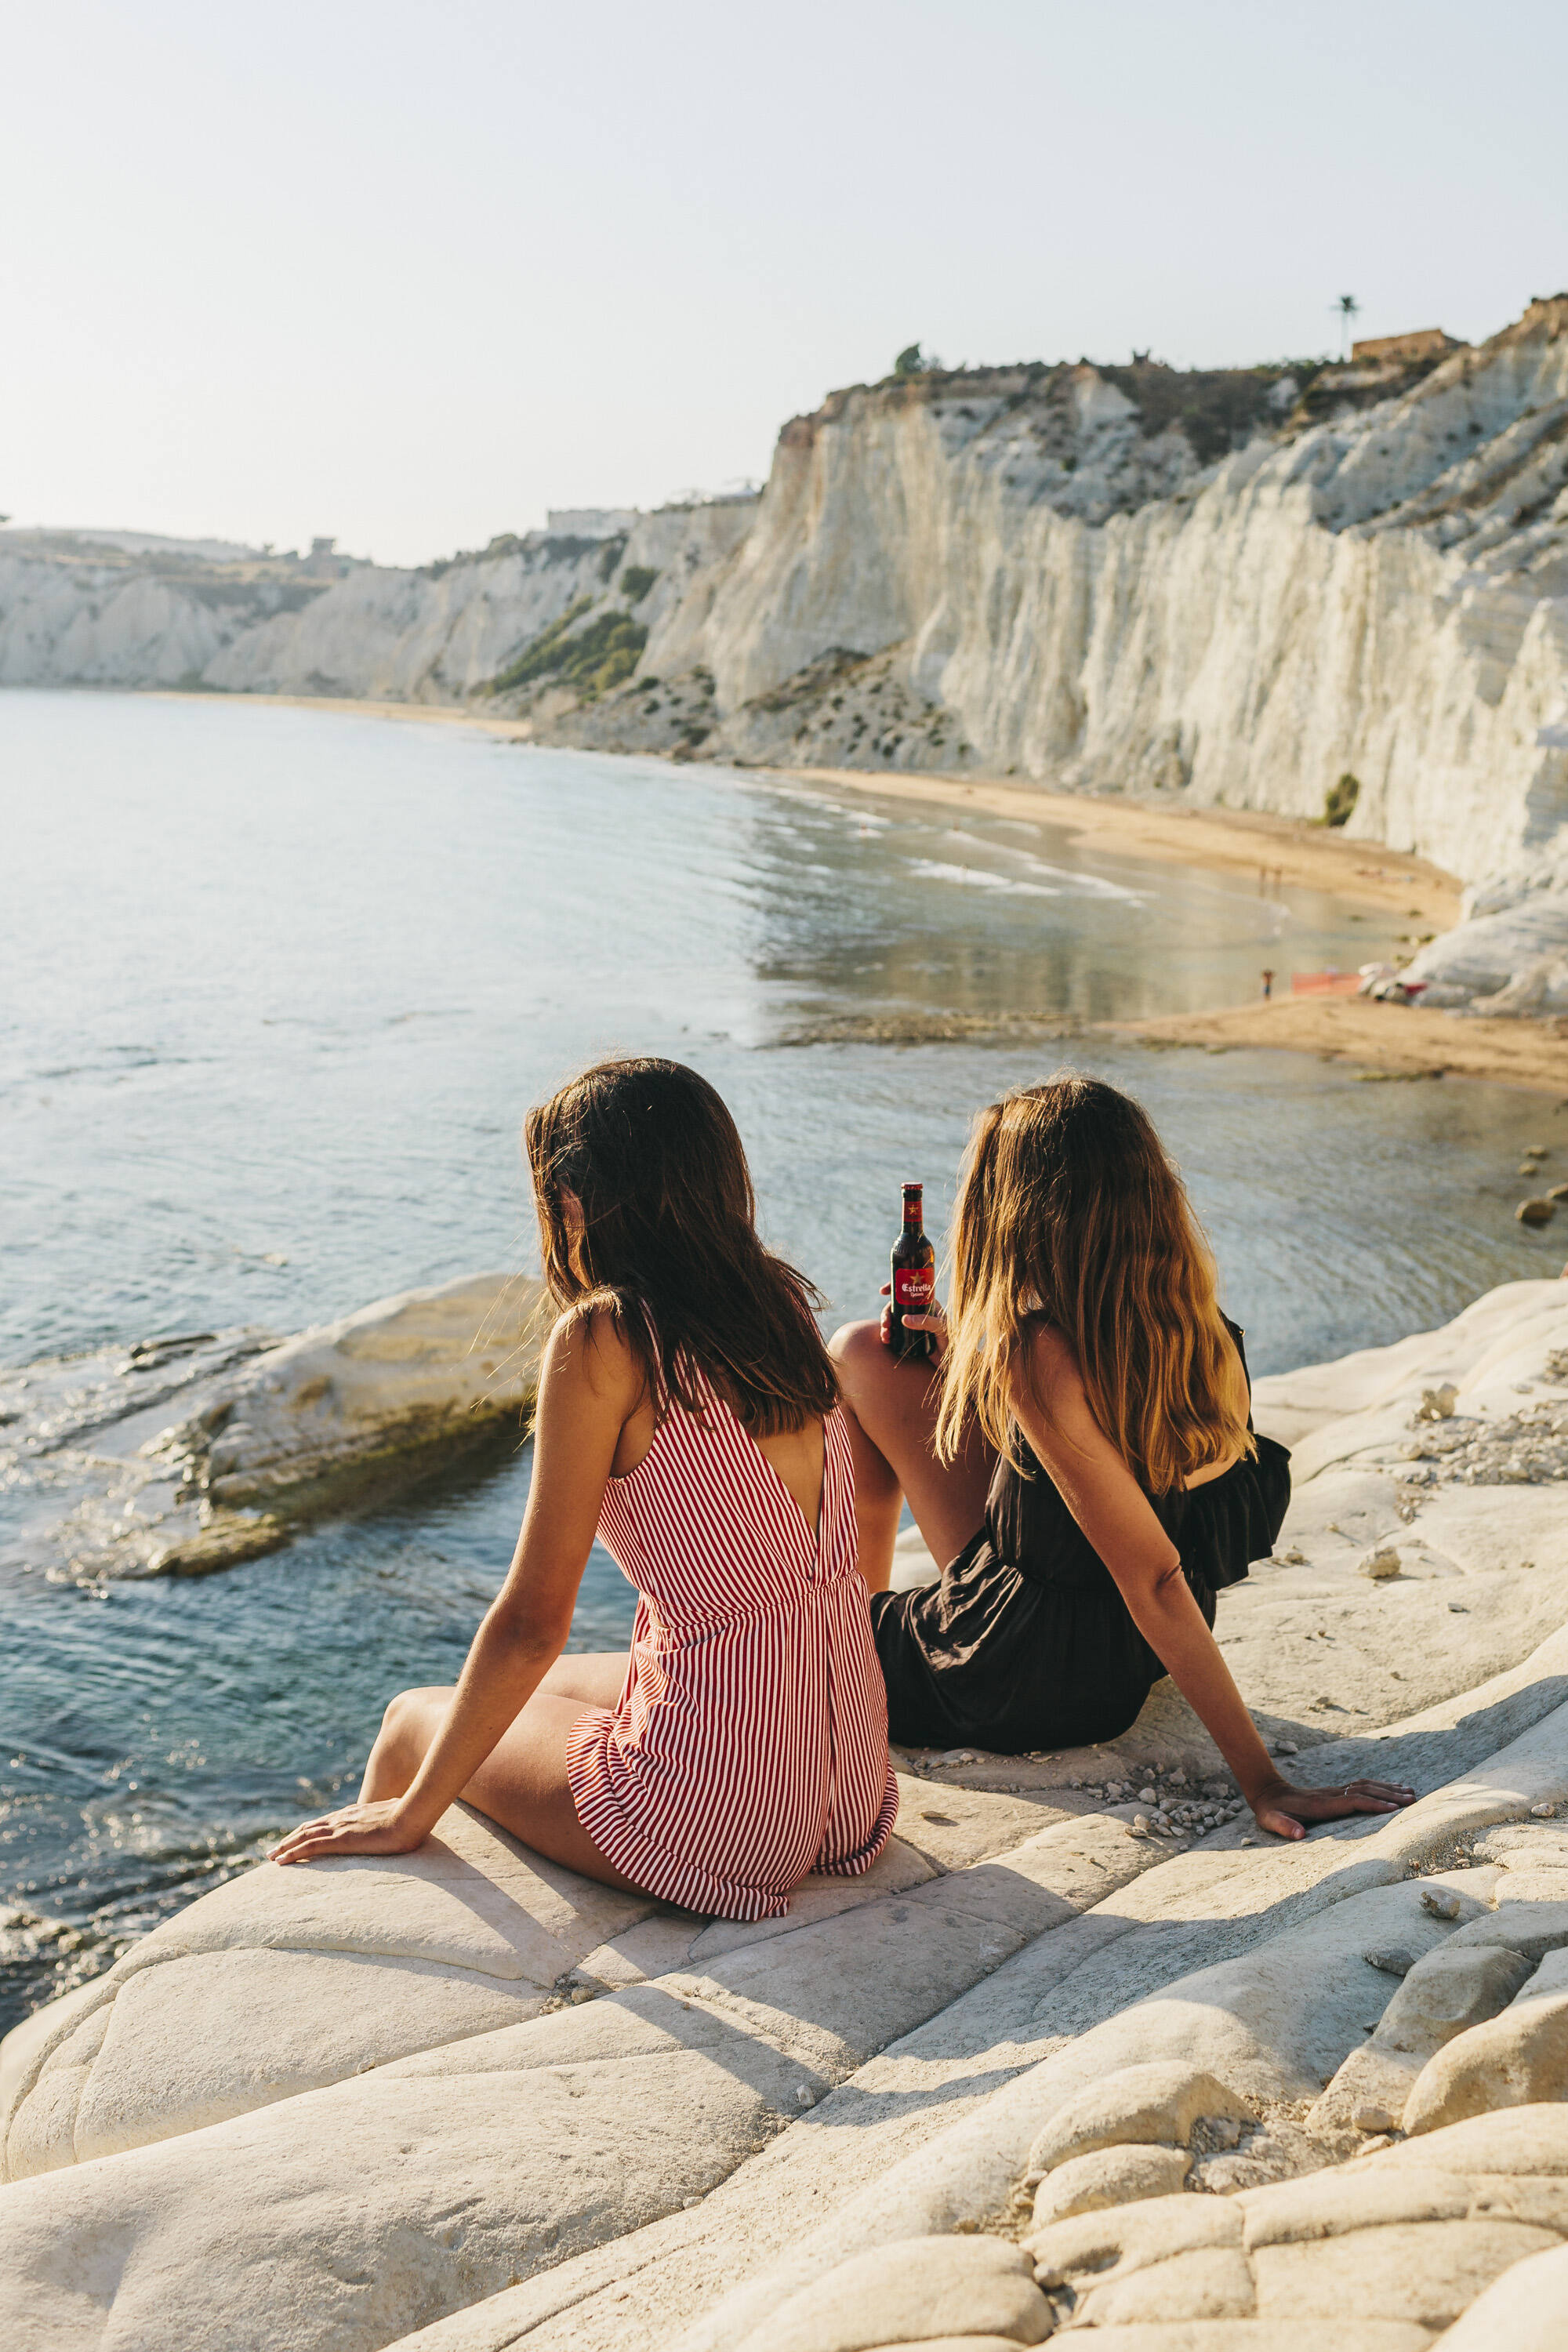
[{"x": 1026, "y": 1643}]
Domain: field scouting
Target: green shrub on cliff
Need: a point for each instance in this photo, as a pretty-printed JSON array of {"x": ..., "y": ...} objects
[
  {"x": 637, "y": 579},
  {"x": 1341, "y": 799},
  {"x": 590, "y": 660}
]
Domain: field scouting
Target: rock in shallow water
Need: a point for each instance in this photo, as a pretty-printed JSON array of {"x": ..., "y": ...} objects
[{"x": 271, "y": 1433}]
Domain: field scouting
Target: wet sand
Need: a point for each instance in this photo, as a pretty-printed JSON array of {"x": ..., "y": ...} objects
[
  {"x": 1230, "y": 841},
  {"x": 1388, "y": 1041}
]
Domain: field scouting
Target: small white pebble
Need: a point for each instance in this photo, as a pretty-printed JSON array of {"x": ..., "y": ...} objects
[
  {"x": 1543, "y": 1812},
  {"x": 1146, "y": 1796}
]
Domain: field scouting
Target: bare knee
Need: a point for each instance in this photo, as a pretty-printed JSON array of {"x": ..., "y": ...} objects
[
  {"x": 408, "y": 1724},
  {"x": 859, "y": 1358}
]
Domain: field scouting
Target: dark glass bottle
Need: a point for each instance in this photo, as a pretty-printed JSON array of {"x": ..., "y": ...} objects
[{"x": 914, "y": 1279}]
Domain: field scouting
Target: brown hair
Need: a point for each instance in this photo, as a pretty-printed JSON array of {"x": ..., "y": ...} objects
[
  {"x": 669, "y": 1242},
  {"x": 1069, "y": 1209}
]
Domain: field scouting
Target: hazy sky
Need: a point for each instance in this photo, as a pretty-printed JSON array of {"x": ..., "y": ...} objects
[{"x": 412, "y": 272}]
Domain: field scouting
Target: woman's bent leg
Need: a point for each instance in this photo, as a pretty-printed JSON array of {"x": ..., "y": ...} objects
[
  {"x": 595, "y": 1677},
  {"x": 890, "y": 1408},
  {"x": 522, "y": 1783}
]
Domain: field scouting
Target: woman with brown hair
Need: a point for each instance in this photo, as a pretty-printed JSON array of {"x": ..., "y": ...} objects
[
  {"x": 1083, "y": 1462},
  {"x": 688, "y": 1413}
]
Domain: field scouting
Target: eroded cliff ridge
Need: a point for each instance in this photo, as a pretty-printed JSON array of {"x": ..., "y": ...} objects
[{"x": 1236, "y": 587}]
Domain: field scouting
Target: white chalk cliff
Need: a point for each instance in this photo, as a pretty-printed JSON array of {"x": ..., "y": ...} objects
[{"x": 1077, "y": 2053}]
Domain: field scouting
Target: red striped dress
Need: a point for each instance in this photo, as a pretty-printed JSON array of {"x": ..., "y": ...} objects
[{"x": 750, "y": 1745}]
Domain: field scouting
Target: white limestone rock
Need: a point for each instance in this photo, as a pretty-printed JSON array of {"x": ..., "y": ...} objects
[
  {"x": 1109, "y": 2175},
  {"x": 269, "y": 1433},
  {"x": 912, "y": 2294},
  {"x": 1517, "y": 2059},
  {"x": 283, "y": 1980},
  {"x": 1426, "y": 2271},
  {"x": 1525, "y": 2309},
  {"x": 734, "y": 2113},
  {"x": 1137, "y": 2105}
]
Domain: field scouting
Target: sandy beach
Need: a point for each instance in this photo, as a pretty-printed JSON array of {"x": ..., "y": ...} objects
[
  {"x": 1392, "y": 1041},
  {"x": 1230, "y": 841},
  {"x": 1386, "y": 1041}
]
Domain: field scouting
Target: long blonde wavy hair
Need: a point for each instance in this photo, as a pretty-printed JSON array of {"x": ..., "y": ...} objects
[{"x": 1069, "y": 1210}]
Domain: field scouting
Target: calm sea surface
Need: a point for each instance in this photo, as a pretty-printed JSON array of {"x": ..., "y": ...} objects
[{"x": 276, "y": 988}]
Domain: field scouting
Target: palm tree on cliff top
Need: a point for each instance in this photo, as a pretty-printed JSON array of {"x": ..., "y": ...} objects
[{"x": 1348, "y": 307}]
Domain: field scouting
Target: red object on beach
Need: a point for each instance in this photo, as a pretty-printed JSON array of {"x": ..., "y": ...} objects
[{"x": 1325, "y": 983}]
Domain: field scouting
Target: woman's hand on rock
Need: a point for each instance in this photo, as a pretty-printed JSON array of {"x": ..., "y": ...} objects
[
  {"x": 384, "y": 1827},
  {"x": 1287, "y": 1813},
  {"x": 934, "y": 1321}
]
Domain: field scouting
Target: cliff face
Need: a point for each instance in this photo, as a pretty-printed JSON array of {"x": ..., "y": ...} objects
[
  {"x": 1038, "y": 577},
  {"x": 82, "y": 610},
  {"x": 1053, "y": 574}
]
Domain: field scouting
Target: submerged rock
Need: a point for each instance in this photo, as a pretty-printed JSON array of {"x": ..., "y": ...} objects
[{"x": 272, "y": 1433}]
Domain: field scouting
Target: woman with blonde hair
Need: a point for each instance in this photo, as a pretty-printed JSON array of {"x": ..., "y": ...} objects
[
  {"x": 1082, "y": 1463},
  {"x": 687, "y": 1412}
]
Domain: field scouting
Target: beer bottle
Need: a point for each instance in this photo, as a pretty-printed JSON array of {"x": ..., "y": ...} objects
[{"x": 914, "y": 1280}]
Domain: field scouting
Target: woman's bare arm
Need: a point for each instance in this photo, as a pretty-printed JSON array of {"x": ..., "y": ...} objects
[
  {"x": 589, "y": 1387},
  {"x": 1100, "y": 1490}
]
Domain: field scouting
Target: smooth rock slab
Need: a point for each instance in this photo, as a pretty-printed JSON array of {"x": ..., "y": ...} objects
[
  {"x": 1266, "y": 2335},
  {"x": 1525, "y": 2310},
  {"x": 1159, "y": 2102},
  {"x": 1110, "y": 2176},
  {"x": 1332, "y": 2203},
  {"x": 1445, "y": 1993},
  {"x": 1112, "y": 2244},
  {"x": 349, "y": 2217},
  {"x": 1441, "y": 1996},
  {"x": 284, "y": 1981},
  {"x": 1518, "y": 2141},
  {"x": 1423, "y": 2270},
  {"x": 1532, "y": 1928},
  {"x": 1515, "y": 2060},
  {"x": 291, "y": 2030},
  {"x": 923, "y": 2290},
  {"x": 1210, "y": 2283}
]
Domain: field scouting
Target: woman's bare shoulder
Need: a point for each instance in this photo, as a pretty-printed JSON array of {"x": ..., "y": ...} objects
[
  {"x": 1048, "y": 1356},
  {"x": 588, "y": 1345}
]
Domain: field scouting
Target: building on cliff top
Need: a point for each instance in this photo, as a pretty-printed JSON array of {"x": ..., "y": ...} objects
[
  {"x": 1425, "y": 343},
  {"x": 589, "y": 522}
]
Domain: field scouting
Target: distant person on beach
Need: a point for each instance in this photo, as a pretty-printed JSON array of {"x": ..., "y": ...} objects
[
  {"x": 1267, "y": 985},
  {"x": 687, "y": 1414},
  {"x": 1083, "y": 1465}
]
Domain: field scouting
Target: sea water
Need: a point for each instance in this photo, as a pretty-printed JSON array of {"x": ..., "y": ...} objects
[{"x": 276, "y": 987}]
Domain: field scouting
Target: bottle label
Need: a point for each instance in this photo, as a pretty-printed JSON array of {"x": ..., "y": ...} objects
[{"x": 914, "y": 1286}]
